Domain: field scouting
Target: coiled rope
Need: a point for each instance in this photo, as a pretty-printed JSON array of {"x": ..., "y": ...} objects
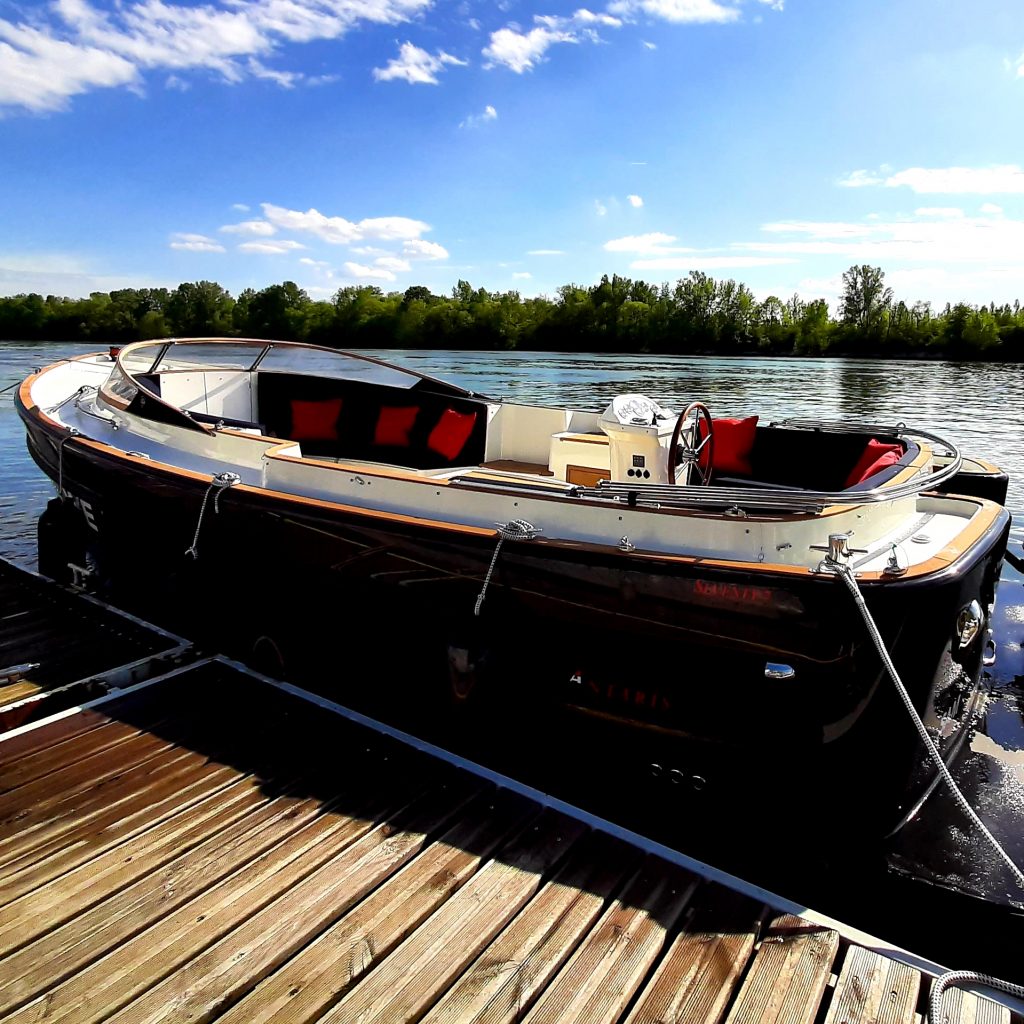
[
  {"x": 951, "y": 978},
  {"x": 219, "y": 483},
  {"x": 515, "y": 529}
]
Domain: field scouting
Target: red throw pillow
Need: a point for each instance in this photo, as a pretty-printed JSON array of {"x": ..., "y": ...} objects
[
  {"x": 872, "y": 454},
  {"x": 886, "y": 459},
  {"x": 394, "y": 424},
  {"x": 315, "y": 421},
  {"x": 734, "y": 441},
  {"x": 452, "y": 432}
]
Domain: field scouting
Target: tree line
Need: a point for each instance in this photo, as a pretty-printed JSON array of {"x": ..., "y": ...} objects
[{"x": 697, "y": 314}]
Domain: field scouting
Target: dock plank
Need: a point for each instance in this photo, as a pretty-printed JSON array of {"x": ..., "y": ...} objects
[
  {"x": 206, "y": 986},
  {"x": 314, "y": 980},
  {"x": 100, "y": 869},
  {"x": 703, "y": 967},
  {"x": 415, "y": 975},
  {"x": 788, "y": 976},
  {"x": 129, "y": 970},
  {"x": 600, "y": 980},
  {"x": 960, "y": 1007},
  {"x": 39, "y": 763},
  {"x": 54, "y": 850},
  {"x": 872, "y": 989},
  {"x": 57, "y": 954},
  {"x": 505, "y": 979}
]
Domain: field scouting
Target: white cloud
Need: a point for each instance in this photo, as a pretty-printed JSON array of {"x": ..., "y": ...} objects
[
  {"x": 72, "y": 46},
  {"x": 679, "y": 11},
  {"x": 600, "y": 209},
  {"x": 649, "y": 46},
  {"x": 256, "y": 228},
  {"x": 240, "y": 207},
  {"x": 995, "y": 180},
  {"x": 991, "y": 208},
  {"x": 418, "y": 249},
  {"x": 361, "y": 272},
  {"x": 521, "y": 51},
  {"x": 522, "y": 275},
  {"x": 546, "y": 252},
  {"x": 941, "y": 240},
  {"x": 475, "y": 120},
  {"x": 339, "y": 231},
  {"x": 306, "y": 261},
  {"x": 938, "y": 211},
  {"x": 194, "y": 243},
  {"x": 708, "y": 262},
  {"x": 415, "y": 66},
  {"x": 271, "y": 248},
  {"x": 40, "y": 72},
  {"x": 635, "y": 201},
  {"x": 394, "y": 263},
  {"x": 654, "y": 241},
  {"x": 58, "y": 273}
]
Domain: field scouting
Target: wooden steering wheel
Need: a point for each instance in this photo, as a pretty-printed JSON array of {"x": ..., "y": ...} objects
[{"x": 689, "y": 461}]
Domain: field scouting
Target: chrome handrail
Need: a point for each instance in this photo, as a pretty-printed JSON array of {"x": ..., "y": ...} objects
[{"x": 738, "y": 499}]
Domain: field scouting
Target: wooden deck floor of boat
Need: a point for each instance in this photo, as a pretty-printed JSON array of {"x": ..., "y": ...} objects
[{"x": 212, "y": 848}]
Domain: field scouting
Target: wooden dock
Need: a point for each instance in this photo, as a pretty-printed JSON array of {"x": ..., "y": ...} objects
[
  {"x": 59, "y": 647},
  {"x": 215, "y": 846}
]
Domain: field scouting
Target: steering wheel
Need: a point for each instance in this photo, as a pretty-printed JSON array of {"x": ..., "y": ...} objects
[{"x": 691, "y": 460}]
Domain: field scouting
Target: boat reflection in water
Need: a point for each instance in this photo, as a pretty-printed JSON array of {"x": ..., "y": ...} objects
[{"x": 665, "y": 575}]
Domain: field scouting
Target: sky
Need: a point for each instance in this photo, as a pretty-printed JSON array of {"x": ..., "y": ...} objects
[{"x": 519, "y": 145}]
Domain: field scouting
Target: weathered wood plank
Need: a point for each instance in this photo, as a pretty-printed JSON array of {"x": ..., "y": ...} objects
[
  {"x": 162, "y": 794},
  {"x": 787, "y": 979},
  {"x": 48, "y": 737},
  {"x": 601, "y": 978},
  {"x": 37, "y": 800},
  {"x": 78, "y": 882},
  {"x": 13, "y": 692},
  {"x": 872, "y": 989},
  {"x": 57, "y": 954},
  {"x": 412, "y": 978},
  {"x": 42, "y": 762},
  {"x": 960, "y": 1007},
  {"x": 309, "y": 984},
  {"x": 150, "y": 956},
  {"x": 698, "y": 976},
  {"x": 508, "y": 975},
  {"x": 201, "y": 989}
]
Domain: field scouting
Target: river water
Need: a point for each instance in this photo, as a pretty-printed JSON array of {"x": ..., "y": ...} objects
[{"x": 976, "y": 406}]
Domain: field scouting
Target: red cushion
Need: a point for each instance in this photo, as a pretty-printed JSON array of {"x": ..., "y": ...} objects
[
  {"x": 315, "y": 421},
  {"x": 872, "y": 454},
  {"x": 452, "y": 432},
  {"x": 394, "y": 425},
  {"x": 886, "y": 459},
  {"x": 733, "y": 443}
]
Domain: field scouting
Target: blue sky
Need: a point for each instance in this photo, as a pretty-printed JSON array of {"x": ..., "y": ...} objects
[{"x": 523, "y": 144}]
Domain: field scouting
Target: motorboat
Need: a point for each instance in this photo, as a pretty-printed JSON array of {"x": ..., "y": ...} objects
[{"x": 637, "y": 547}]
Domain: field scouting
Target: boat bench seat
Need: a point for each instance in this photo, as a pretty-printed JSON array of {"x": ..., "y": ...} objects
[
  {"x": 814, "y": 460},
  {"x": 345, "y": 419}
]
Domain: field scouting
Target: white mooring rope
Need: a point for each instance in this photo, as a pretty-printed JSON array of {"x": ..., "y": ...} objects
[{"x": 951, "y": 978}]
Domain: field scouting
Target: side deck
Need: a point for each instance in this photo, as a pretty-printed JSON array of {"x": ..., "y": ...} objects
[{"x": 215, "y": 846}]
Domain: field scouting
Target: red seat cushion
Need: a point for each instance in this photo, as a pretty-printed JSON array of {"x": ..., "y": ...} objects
[
  {"x": 315, "y": 421},
  {"x": 394, "y": 424},
  {"x": 452, "y": 432},
  {"x": 733, "y": 443},
  {"x": 871, "y": 460}
]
